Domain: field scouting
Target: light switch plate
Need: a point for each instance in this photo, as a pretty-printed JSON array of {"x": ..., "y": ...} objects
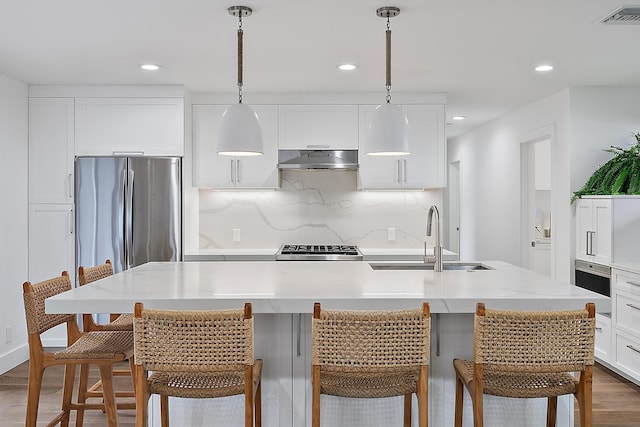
[
  {"x": 391, "y": 234},
  {"x": 236, "y": 234}
]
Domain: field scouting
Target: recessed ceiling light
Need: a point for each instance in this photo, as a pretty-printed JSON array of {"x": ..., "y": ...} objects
[
  {"x": 347, "y": 67},
  {"x": 458, "y": 117},
  {"x": 544, "y": 68},
  {"x": 150, "y": 67}
]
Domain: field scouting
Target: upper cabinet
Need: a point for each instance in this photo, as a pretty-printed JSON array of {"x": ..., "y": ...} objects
[
  {"x": 423, "y": 168},
  {"x": 225, "y": 172},
  {"x": 608, "y": 229},
  {"x": 129, "y": 126},
  {"x": 318, "y": 127},
  {"x": 51, "y": 142}
]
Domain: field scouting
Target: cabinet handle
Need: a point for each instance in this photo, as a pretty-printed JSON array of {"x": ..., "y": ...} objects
[
  {"x": 630, "y": 347},
  {"x": 128, "y": 153},
  {"x": 238, "y": 171},
  {"x": 633, "y": 283},
  {"x": 232, "y": 171},
  {"x": 299, "y": 336},
  {"x": 399, "y": 172},
  {"x": 598, "y": 329},
  {"x": 70, "y": 184},
  {"x": 588, "y": 244},
  {"x": 318, "y": 146},
  {"x": 71, "y": 225},
  {"x": 404, "y": 170},
  {"x": 635, "y": 307}
]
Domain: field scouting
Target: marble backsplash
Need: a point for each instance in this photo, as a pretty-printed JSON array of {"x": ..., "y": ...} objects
[{"x": 319, "y": 207}]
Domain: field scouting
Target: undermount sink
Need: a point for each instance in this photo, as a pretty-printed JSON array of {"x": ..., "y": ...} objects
[{"x": 461, "y": 266}]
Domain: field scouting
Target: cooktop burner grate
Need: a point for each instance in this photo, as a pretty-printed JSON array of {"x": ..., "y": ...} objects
[{"x": 319, "y": 253}]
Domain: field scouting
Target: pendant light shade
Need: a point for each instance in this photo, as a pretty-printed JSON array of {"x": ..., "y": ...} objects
[
  {"x": 388, "y": 131},
  {"x": 240, "y": 133}
]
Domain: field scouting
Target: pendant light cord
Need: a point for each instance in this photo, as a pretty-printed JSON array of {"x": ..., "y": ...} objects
[
  {"x": 388, "y": 55},
  {"x": 240, "y": 52}
]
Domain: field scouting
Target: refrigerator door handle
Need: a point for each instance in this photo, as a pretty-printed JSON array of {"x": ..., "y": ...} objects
[
  {"x": 128, "y": 232},
  {"x": 71, "y": 222}
]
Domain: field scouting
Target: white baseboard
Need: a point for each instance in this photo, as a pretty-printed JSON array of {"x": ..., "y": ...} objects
[{"x": 13, "y": 358}]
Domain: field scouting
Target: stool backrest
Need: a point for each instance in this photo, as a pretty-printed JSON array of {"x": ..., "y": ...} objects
[
  {"x": 535, "y": 341},
  {"x": 193, "y": 340},
  {"x": 370, "y": 339},
  {"x": 34, "y": 296},
  {"x": 91, "y": 274}
]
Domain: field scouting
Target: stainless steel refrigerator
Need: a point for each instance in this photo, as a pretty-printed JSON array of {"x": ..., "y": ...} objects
[{"x": 128, "y": 210}]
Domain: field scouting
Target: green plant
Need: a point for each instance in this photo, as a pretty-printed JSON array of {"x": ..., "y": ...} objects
[{"x": 620, "y": 175}]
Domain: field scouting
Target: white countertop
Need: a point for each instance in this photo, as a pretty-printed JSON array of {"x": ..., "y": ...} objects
[
  {"x": 631, "y": 267},
  {"x": 293, "y": 287}
]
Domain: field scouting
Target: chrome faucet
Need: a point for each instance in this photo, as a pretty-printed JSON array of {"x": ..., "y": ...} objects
[{"x": 436, "y": 258}]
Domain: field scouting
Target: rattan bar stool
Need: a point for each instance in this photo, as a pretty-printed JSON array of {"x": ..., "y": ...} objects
[
  {"x": 528, "y": 354},
  {"x": 371, "y": 354},
  {"x": 118, "y": 322},
  {"x": 196, "y": 354},
  {"x": 103, "y": 349}
]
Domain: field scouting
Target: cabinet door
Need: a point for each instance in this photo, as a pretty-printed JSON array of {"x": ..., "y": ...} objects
[
  {"x": 130, "y": 126},
  {"x": 602, "y": 228},
  {"x": 51, "y": 250},
  {"x": 51, "y": 139},
  {"x": 378, "y": 172},
  {"x": 425, "y": 166},
  {"x": 584, "y": 221},
  {"x": 213, "y": 170},
  {"x": 304, "y": 127}
]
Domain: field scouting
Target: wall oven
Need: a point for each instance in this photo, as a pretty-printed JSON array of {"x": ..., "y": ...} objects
[{"x": 594, "y": 277}]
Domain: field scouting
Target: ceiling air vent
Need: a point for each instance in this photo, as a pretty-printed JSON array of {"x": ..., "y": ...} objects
[{"x": 623, "y": 15}]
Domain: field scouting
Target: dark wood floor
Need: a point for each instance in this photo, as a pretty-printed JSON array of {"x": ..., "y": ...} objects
[{"x": 616, "y": 402}]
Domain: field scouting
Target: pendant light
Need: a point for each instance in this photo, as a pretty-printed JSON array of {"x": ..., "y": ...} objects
[
  {"x": 240, "y": 133},
  {"x": 388, "y": 131}
]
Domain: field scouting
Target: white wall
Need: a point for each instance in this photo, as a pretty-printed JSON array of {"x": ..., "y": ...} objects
[
  {"x": 13, "y": 219},
  {"x": 490, "y": 182},
  {"x": 585, "y": 120}
]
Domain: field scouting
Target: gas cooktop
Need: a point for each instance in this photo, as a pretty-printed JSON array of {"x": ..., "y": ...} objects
[{"x": 319, "y": 253}]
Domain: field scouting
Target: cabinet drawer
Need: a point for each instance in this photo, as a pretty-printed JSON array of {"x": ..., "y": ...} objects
[
  {"x": 627, "y": 356},
  {"x": 627, "y": 312},
  {"x": 627, "y": 282},
  {"x": 603, "y": 338}
]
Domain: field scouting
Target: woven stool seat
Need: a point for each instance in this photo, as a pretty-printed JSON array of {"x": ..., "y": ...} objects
[
  {"x": 371, "y": 354},
  {"x": 123, "y": 322},
  {"x": 102, "y": 349},
  {"x": 514, "y": 384},
  {"x": 196, "y": 354},
  {"x": 196, "y": 385},
  {"x": 529, "y": 354}
]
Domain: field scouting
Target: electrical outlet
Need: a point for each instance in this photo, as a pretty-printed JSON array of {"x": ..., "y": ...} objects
[
  {"x": 391, "y": 234},
  {"x": 236, "y": 234},
  {"x": 8, "y": 334}
]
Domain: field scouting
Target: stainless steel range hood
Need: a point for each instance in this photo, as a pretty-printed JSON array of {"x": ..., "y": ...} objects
[{"x": 318, "y": 159}]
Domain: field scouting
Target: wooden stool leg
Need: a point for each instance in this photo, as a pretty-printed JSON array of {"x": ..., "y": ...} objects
[
  {"x": 109, "y": 395},
  {"x": 142, "y": 397},
  {"x": 459, "y": 402},
  {"x": 67, "y": 393},
  {"x": 33, "y": 396},
  {"x": 315, "y": 398},
  {"x": 423, "y": 397},
  {"x": 258, "y": 404},
  {"x": 407, "y": 409},
  {"x": 82, "y": 393},
  {"x": 164, "y": 410},
  {"x": 552, "y": 409}
]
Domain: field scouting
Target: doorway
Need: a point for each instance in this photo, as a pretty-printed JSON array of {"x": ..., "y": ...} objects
[{"x": 536, "y": 229}]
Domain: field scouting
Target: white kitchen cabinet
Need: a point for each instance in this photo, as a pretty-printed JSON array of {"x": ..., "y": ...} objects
[
  {"x": 51, "y": 250},
  {"x": 309, "y": 127},
  {"x": 129, "y": 126},
  {"x": 51, "y": 156},
  {"x": 625, "y": 312},
  {"x": 423, "y": 168},
  {"x": 603, "y": 338},
  {"x": 607, "y": 229},
  {"x": 225, "y": 172}
]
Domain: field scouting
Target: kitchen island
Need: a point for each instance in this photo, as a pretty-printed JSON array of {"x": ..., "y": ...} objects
[{"x": 282, "y": 295}]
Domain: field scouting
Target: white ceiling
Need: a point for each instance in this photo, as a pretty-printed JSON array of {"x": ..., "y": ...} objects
[{"x": 481, "y": 53}]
